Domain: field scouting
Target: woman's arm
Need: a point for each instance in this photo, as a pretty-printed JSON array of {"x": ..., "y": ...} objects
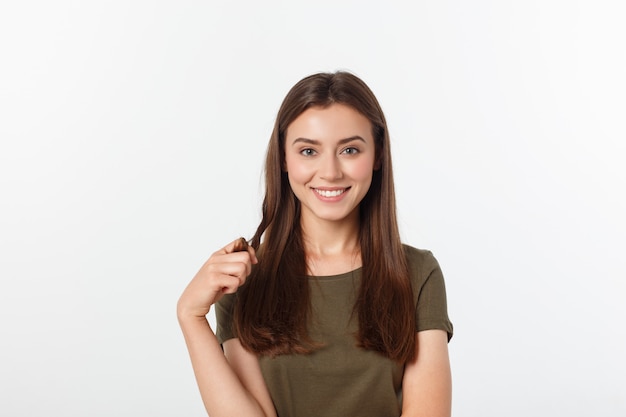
[
  {"x": 427, "y": 382},
  {"x": 246, "y": 366},
  {"x": 222, "y": 390}
]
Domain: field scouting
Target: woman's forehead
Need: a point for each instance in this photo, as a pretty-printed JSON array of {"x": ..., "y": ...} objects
[{"x": 334, "y": 122}]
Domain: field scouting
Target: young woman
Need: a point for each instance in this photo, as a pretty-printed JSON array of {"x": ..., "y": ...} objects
[{"x": 334, "y": 317}]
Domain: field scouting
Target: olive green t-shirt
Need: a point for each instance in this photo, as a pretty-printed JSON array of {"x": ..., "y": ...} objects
[{"x": 341, "y": 379}]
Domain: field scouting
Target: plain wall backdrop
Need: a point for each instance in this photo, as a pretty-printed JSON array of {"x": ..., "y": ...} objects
[{"x": 132, "y": 140}]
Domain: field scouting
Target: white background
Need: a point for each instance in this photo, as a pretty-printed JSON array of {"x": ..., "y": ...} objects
[{"x": 132, "y": 137}]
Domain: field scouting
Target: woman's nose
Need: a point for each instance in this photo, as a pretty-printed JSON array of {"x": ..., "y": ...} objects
[{"x": 330, "y": 168}]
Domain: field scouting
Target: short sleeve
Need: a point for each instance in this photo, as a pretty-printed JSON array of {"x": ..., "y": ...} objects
[
  {"x": 429, "y": 291},
  {"x": 224, "y": 313}
]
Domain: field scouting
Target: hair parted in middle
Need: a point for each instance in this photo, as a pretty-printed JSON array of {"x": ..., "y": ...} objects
[{"x": 273, "y": 308}]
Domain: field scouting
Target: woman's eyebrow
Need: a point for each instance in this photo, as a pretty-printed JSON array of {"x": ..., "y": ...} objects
[{"x": 317, "y": 142}]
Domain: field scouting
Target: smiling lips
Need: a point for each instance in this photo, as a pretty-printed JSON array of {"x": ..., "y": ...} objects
[{"x": 330, "y": 193}]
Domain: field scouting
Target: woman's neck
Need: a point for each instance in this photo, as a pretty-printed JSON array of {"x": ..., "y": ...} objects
[{"x": 331, "y": 248}]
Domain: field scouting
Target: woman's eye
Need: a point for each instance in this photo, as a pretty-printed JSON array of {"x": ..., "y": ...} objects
[
  {"x": 307, "y": 152},
  {"x": 350, "y": 151}
]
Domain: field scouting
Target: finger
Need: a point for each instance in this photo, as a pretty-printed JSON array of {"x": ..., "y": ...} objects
[
  {"x": 236, "y": 245},
  {"x": 235, "y": 257},
  {"x": 240, "y": 245},
  {"x": 227, "y": 284},
  {"x": 239, "y": 270},
  {"x": 252, "y": 253}
]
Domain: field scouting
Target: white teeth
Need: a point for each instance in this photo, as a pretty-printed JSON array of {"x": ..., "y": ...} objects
[{"x": 328, "y": 193}]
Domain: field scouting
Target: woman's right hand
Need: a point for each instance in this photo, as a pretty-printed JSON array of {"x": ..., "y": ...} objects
[{"x": 223, "y": 273}]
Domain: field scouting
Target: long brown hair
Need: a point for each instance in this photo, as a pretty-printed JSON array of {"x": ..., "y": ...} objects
[{"x": 273, "y": 307}]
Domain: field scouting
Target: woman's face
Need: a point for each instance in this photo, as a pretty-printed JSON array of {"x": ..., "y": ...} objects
[{"x": 329, "y": 159}]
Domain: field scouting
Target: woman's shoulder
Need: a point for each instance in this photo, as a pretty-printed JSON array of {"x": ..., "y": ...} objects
[
  {"x": 429, "y": 290},
  {"x": 421, "y": 263},
  {"x": 418, "y": 256}
]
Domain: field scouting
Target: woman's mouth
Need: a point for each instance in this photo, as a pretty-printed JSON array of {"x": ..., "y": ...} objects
[{"x": 331, "y": 193}]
